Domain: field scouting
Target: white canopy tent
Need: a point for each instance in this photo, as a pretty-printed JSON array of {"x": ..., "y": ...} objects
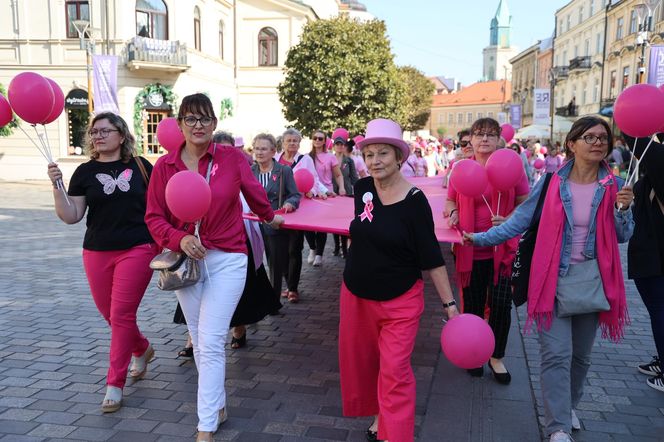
[{"x": 561, "y": 126}]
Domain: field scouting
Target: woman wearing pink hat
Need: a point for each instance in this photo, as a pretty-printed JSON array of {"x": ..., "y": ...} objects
[
  {"x": 382, "y": 295},
  {"x": 328, "y": 169}
]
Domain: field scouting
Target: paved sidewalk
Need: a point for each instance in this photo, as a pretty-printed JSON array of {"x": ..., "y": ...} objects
[{"x": 283, "y": 387}]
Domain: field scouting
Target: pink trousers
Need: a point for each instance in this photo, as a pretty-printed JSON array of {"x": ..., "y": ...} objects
[
  {"x": 118, "y": 280},
  {"x": 376, "y": 340}
]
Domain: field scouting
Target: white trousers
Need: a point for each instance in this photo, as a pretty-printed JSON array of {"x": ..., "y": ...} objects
[{"x": 208, "y": 307}]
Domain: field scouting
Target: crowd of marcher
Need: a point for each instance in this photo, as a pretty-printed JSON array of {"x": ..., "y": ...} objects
[{"x": 574, "y": 190}]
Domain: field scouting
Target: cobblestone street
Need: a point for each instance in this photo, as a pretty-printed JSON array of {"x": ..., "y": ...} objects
[{"x": 284, "y": 386}]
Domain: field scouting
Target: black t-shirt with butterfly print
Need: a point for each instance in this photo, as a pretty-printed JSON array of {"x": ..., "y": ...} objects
[{"x": 115, "y": 195}]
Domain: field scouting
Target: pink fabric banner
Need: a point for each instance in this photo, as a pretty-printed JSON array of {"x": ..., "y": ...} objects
[{"x": 334, "y": 215}]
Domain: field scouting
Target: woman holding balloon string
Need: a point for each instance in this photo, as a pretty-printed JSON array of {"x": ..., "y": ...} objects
[
  {"x": 578, "y": 284},
  {"x": 477, "y": 204},
  {"x": 291, "y": 157},
  {"x": 209, "y": 304},
  {"x": 117, "y": 248}
]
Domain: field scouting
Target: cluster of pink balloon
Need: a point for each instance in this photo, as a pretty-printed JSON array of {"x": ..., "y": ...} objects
[
  {"x": 35, "y": 99},
  {"x": 467, "y": 341},
  {"x": 639, "y": 110},
  {"x": 188, "y": 196},
  {"x": 503, "y": 170}
]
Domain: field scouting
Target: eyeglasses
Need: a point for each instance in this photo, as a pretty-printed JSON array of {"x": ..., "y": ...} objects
[
  {"x": 463, "y": 143},
  {"x": 191, "y": 121},
  {"x": 318, "y": 138},
  {"x": 592, "y": 139},
  {"x": 101, "y": 133},
  {"x": 488, "y": 135}
]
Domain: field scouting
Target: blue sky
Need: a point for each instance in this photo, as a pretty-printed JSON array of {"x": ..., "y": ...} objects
[{"x": 446, "y": 37}]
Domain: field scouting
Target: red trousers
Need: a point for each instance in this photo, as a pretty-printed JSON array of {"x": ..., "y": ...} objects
[
  {"x": 118, "y": 280},
  {"x": 376, "y": 340}
]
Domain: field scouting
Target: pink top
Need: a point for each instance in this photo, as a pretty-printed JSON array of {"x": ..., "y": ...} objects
[
  {"x": 582, "y": 199},
  {"x": 409, "y": 167},
  {"x": 360, "y": 165},
  {"x": 222, "y": 227},
  {"x": 420, "y": 166},
  {"x": 324, "y": 163},
  {"x": 483, "y": 214},
  {"x": 551, "y": 163}
]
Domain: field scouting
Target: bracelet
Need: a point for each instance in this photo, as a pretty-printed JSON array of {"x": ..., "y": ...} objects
[{"x": 449, "y": 304}]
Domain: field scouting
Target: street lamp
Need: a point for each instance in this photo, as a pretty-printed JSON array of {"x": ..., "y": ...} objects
[
  {"x": 553, "y": 77},
  {"x": 86, "y": 44},
  {"x": 644, "y": 13}
]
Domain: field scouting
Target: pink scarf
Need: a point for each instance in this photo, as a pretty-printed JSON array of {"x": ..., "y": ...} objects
[
  {"x": 503, "y": 254},
  {"x": 546, "y": 261}
]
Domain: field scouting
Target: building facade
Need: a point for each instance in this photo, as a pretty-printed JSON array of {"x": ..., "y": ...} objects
[
  {"x": 498, "y": 53},
  {"x": 524, "y": 70},
  {"x": 232, "y": 50}
]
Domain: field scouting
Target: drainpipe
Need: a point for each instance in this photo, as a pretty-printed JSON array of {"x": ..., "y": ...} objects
[
  {"x": 235, "y": 39},
  {"x": 601, "y": 84},
  {"x": 107, "y": 26}
]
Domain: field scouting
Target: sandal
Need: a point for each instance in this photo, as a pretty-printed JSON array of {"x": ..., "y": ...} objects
[
  {"x": 206, "y": 436},
  {"x": 284, "y": 293},
  {"x": 112, "y": 400},
  {"x": 293, "y": 297},
  {"x": 238, "y": 343},
  {"x": 140, "y": 365},
  {"x": 186, "y": 352}
]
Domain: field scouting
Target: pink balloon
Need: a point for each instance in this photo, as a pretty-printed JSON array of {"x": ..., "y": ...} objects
[
  {"x": 469, "y": 178},
  {"x": 31, "y": 97},
  {"x": 188, "y": 196},
  {"x": 639, "y": 110},
  {"x": 538, "y": 163},
  {"x": 504, "y": 169},
  {"x": 304, "y": 180},
  {"x": 6, "y": 114},
  {"x": 58, "y": 102},
  {"x": 507, "y": 131},
  {"x": 467, "y": 341},
  {"x": 328, "y": 143},
  {"x": 169, "y": 134}
]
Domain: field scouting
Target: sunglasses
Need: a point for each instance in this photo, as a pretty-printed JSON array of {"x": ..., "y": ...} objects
[
  {"x": 318, "y": 138},
  {"x": 463, "y": 143}
]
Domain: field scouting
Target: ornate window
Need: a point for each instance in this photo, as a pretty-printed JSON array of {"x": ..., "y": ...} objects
[
  {"x": 268, "y": 43},
  {"x": 76, "y": 10},
  {"x": 152, "y": 19},
  {"x": 197, "y": 28}
]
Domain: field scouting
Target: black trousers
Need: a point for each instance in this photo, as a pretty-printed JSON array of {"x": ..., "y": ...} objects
[
  {"x": 652, "y": 293},
  {"x": 481, "y": 292},
  {"x": 276, "y": 246},
  {"x": 295, "y": 246},
  {"x": 340, "y": 242},
  {"x": 316, "y": 241}
]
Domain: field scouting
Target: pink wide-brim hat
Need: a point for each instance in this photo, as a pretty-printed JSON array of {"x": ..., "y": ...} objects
[{"x": 384, "y": 131}]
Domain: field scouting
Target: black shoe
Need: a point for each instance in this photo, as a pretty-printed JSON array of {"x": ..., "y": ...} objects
[
  {"x": 656, "y": 382},
  {"x": 476, "y": 372},
  {"x": 186, "y": 353},
  {"x": 501, "y": 378},
  {"x": 239, "y": 342},
  {"x": 336, "y": 251},
  {"x": 372, "y": 436},
  {"x": 652, "y": 368}
]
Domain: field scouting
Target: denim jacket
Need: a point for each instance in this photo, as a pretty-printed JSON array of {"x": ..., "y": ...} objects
[{"x": 521, "y": 218}]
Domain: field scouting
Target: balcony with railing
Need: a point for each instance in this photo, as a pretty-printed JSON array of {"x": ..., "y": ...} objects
[
  {"x": 560, "y": 72},
  {"x": 582, "y": 62},
  {"x": 156, "y": 55},
  {"x": 568, "y": 111}
]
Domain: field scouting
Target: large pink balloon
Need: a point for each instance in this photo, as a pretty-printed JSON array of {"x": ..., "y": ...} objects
[
  {"x": 639, "y": 110},
  {"x": 31, "y": 97},
  {"x": 538, "y": 164},
  {"x": 188, "y": 196},
  {"x": 58, "y": 102},
  {"x": 507, "y": 131},
  {"x": 169, "y": 134},
  {"x": 469, "y": 178},
  {"x": 467, "y": 341},
  {"x": 304, "y": 180},
  {"x": 6, "y": 114},
  {"x": 543, "y": 150},
  {"x": 504, "y": 169}
]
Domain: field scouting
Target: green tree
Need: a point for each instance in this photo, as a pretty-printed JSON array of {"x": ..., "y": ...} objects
[
  {"x": 341, "y": 73},
  {"x": 9, "y": 128},
  {"x": 441, "y": 131},
  {"x": 418, "y": 99}
]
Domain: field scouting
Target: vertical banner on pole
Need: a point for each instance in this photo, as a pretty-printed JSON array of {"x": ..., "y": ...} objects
[
  {"x": 515, "y": 116},
  {"x": 105, "y": 83},
  {"x": 542, "y": 107},
  {"x": 656, "y": 65}
]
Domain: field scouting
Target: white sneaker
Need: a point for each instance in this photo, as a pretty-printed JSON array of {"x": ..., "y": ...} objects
[
  {"x": 561, "y": 436},
  {"x": 312, "y": 255},
  {"x": 318, "y": 261},
  {"x": 576, "y": 424}
]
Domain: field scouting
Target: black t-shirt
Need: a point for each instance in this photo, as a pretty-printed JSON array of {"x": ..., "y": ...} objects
[
  {"x": 115, "y": 194},
  {"x": 388, "y": 253}
]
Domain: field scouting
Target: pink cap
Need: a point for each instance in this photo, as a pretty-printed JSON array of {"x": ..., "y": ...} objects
[
  {"x": 340, "y": 132},
  {"x": 358, "y": 138}
]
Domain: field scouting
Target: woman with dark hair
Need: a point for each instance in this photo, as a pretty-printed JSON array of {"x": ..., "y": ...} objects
[
  {"x": 342, "y": 152},
  {"x": 576, "y": 281},
  {"x": 209, "y": 304},
  {"x": 117, "y": 248},
  {"x": 484, "y": 272},
  {"x": 328, "y": 170}
]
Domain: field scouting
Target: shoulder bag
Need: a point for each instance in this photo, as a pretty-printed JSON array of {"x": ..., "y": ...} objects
[{"x": 524, "y": 252}]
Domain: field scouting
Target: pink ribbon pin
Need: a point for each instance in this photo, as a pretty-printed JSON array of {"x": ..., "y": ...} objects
[
  {"x": 214, "y": 169},
  {"x": 368, "y": 207}
]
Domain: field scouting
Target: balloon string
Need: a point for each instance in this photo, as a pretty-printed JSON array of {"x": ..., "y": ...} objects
[
  {"x": 635, "y": 173},
  {"x": 34, "y": 143},
  {"x": 498, "y": 208},
  {"x": 43, "y": 138},
  {"x": 488, "y": 205},
  {"x": 631, "y": 160},
  {"x": 197, "y": 235}
]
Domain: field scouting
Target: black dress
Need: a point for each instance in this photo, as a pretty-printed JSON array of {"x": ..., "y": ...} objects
[{"x": 257, "y": 297}]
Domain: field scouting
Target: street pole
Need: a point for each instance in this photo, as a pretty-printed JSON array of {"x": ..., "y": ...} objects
[
  {"x": 552, "y": 84},
  {"x": 85, "y": 44},
  {"x": 88, "y": 66}
]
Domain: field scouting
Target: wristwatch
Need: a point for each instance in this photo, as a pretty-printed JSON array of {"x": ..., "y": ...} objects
[{"x": 449, "y": 304}]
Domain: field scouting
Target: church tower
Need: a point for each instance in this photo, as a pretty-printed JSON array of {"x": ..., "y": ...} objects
[{"x": 499, "y": 51}]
